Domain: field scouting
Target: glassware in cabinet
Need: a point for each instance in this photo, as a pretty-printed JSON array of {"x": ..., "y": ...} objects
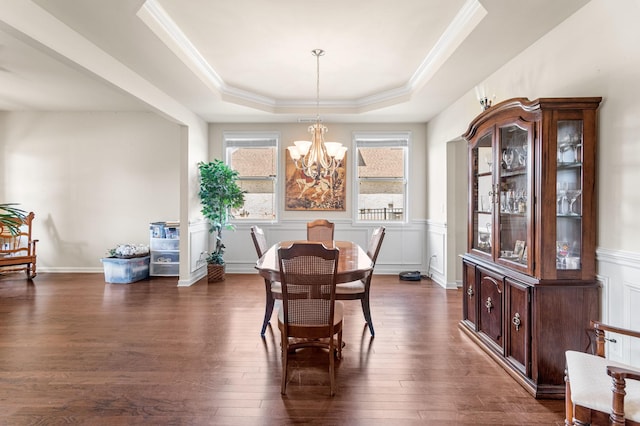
[
  {"x": 569, "y": 179},
  {"x": 514, "y": 184},
  {"x": 483, "y": 194}
]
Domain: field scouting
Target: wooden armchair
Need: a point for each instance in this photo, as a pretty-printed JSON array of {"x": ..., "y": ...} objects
[
  {"x": 320, "y": 230},
  {"x": 600, "y": 391},
  {"x": 18, "y": 250}
]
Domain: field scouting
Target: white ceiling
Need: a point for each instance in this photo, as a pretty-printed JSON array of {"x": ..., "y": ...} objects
[{"x": 251, "y": 61}]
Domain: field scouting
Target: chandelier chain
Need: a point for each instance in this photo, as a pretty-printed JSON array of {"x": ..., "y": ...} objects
[
  {"x": 317, "y": 159},
  {"x": 318, "y": 53}
]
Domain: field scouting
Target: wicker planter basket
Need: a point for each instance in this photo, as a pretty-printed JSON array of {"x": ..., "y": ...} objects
[{"x": 215, "y": 273}]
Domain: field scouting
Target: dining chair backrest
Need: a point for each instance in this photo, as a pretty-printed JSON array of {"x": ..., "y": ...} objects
[
  {"x": 272, "y": 288},
  {"x": 375, "y": 242},
  {"x": 308, "y": 276},
  {"x": 259, "y": 240},
  {"x": 320, "y": 230}
]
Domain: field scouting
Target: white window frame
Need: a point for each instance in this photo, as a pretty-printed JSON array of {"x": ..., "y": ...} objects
[
  {"x": 380, "y": 139},
  {"x": 256, "y": 140}
]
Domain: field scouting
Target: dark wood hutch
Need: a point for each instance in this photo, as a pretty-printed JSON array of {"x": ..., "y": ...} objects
[{"x": 529, "y": 272}]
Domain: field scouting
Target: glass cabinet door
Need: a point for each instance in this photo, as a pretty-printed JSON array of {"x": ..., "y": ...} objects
[
  {"x": 568, "y": 194},
  {"x": 483, "y": 198},
  {"x": 514, "y": 185}
]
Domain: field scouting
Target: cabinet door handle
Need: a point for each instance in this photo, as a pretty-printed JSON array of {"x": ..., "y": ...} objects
[
  {"x": 516, "y": 321},
  {"x": 470, "y": 292},
  {"x": 489, "y": 304}
]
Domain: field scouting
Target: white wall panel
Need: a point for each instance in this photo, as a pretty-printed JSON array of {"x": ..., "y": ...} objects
[
  {"x": 619, "y": 271},
  {"x": 402, "y": 248}
]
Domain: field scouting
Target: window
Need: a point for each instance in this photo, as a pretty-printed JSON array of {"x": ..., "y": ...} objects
[
  {"x": 381, "y": 184},
  {"x": 255, "y": 157}
]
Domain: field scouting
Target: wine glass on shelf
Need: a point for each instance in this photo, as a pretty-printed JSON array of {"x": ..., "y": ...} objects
[
  {"x": 488, "y": 160},
  {"x": 563, "y": 147},
  {"x": 575, "y": 144},
  {"x": 561, "y": 197},
  {"x": 572, "y": 195},
  {"x": 562, "y": 252},
  {"x": 575, "y": 152},
  {"x": 507, "y": 157}
]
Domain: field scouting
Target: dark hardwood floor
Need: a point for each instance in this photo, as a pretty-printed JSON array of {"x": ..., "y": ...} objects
[{"x": 74, "y": 350}]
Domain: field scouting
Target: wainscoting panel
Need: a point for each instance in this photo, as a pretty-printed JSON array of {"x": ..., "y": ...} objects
[
  {"x": 436, "y": 245},
  {"x": 198, "y": 243},
  {"x": 619, "y": 271},
  {"x": 403, "y": 247}
]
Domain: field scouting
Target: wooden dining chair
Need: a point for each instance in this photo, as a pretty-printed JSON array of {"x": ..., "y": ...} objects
[
  {"x": 600, "y": 391},
  {"x": 320, "y": 230},
  {"x": 360, "y": 289},
  {"x": 310, "y": 315},
  {"x": 272, "y": 289}
]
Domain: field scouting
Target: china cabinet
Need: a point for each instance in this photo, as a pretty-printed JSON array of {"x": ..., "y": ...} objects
[{"x": 529, "y": 271}]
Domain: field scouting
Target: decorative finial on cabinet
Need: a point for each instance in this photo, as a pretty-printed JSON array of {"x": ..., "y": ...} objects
[{"x": 485, "y": 101}]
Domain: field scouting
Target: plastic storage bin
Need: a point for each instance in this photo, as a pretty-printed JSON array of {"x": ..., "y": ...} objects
[
  {"x": 165, "y": 269},
  {"x": 165, "y": 257},
  {"x": 164, "y": 244},
  {"x": 125, "y": 271}
]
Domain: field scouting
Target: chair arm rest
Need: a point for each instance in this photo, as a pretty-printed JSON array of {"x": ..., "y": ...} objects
[
  {"x": 32, "y": 248},
  {"x": 623, "y": 373},
  {"x": 597, "y": 325},
  {"x": 618, "y": 403},
  {"x": 600, "y": 328}
]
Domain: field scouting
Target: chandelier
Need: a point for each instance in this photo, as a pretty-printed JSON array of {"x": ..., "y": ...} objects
[{"x": 317, "y": 159}]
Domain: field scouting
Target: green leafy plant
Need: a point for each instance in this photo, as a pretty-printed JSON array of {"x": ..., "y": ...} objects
[
  {"x": 219, "y": 192},
  {"x": 11, "y": 217}
]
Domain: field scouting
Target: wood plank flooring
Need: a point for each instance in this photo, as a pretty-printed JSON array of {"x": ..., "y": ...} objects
[{"x": 75, "y": 350}]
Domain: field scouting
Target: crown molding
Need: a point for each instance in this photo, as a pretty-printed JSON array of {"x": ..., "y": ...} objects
[{"x": 159, "y": 21}]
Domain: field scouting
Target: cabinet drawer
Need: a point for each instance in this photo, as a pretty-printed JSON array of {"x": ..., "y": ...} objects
[
  {"x": 165, "y": 244},
  {"x": 164, "y": 269},
  {"x": 491, "y": 291},
  {"x": 165, "y": 256}
]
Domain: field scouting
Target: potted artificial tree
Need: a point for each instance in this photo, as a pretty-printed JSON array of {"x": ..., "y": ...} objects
[{"x": 219, "y": 192}]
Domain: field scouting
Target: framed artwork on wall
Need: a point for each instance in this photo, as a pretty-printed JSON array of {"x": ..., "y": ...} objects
[{"x": 305, "y": 193}]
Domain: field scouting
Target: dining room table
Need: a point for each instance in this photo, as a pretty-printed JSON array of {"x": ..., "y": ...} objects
[{"x": 353, "y": 263}]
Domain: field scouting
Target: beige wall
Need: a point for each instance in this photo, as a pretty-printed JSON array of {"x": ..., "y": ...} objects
[
  {"x": 94, "y": 179},
  {"x": 592, "y": 53},
  {"x": 341, "y": 133}
]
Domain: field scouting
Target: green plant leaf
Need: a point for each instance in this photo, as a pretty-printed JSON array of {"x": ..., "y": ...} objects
[
  {"x": 11, "y": 217},
  {"x": 219, "y": 192}
]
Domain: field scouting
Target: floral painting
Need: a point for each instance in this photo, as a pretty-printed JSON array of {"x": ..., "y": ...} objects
[{"x": 305, "y": 193}]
